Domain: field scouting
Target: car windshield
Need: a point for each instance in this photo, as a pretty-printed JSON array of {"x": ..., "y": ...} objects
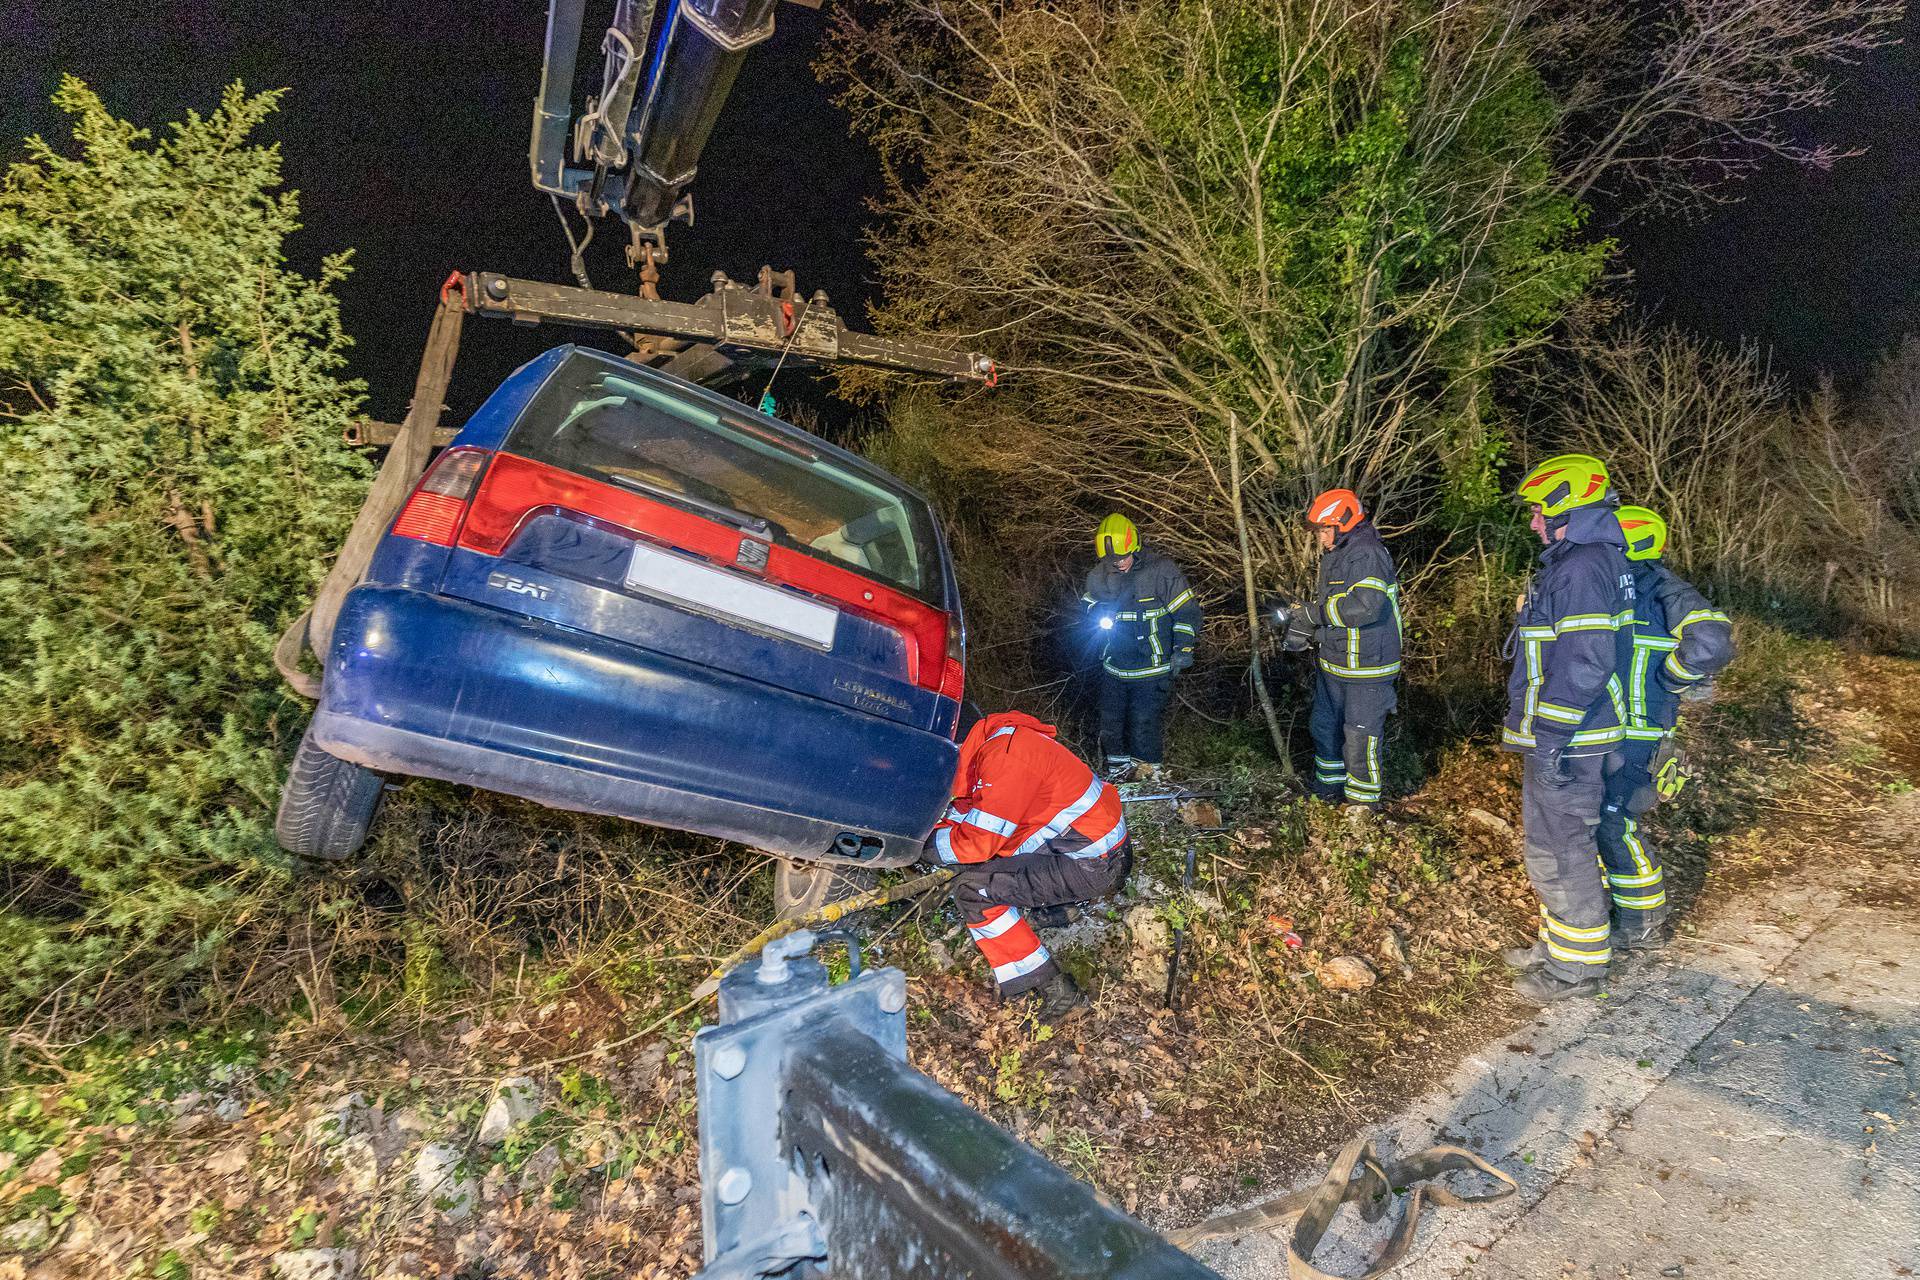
[{"x": 600, "y": 421}]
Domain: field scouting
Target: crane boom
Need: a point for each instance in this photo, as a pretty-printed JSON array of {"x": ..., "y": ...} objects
[{"x": 632, "y": 154}]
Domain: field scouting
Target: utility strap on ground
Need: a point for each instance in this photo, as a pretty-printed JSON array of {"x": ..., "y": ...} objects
[
  {"x": 825, "y": 915},
  {"x": 1311, "y": 1210}
]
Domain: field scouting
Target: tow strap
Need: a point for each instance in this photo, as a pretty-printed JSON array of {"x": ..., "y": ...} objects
[{"x": 1311, "y": 1210}]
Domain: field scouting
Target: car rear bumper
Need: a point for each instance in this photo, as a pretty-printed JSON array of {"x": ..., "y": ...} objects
[{"x": 424, "y": 685}]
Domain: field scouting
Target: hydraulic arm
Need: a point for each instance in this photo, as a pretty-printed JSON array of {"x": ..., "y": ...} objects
[
  {"x": 632, "y": 154},
  {"x": 613, "y": 160}
]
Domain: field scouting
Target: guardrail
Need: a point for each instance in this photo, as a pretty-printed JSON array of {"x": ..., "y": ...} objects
[{"x": 820, "y": 1145}]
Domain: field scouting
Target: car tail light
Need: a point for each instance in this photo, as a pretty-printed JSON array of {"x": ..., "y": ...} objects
[
  {"x": 953, "y": 675},
  {"x": 439, "y": 502}
]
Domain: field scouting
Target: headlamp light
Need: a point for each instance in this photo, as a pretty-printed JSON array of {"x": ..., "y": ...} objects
[{"x": 1106, "y": 622}]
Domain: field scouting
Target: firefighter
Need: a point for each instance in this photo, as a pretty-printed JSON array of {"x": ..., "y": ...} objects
[
  {"x": 1571, "y": 642},
  {"x": 1146, "y": 620},
  {"x": 1032, "y": 830},
  {"x": 1356, "y": 618},
  {"x": 1680, "y": 642}
]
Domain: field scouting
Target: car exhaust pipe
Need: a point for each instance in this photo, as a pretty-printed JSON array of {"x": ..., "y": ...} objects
[{"x": 849, "y": 844}]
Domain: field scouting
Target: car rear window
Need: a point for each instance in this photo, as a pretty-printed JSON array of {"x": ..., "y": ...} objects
[{"x": 611, "y": 424}]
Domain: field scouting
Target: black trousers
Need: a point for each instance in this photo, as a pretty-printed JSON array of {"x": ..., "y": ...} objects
[
  {"x": 1132, "y": 716},
  {"x": 1348, "y": 718},
  {"x": 991, "y": 894}
]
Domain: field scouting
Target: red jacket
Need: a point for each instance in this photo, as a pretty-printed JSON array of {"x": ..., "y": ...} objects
[{"x": 1017, "y": 790}]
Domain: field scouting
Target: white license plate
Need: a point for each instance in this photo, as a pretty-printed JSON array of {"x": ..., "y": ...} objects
[{"x": 730, "y": 597}]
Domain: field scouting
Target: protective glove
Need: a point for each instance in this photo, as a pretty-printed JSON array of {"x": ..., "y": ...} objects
[
  {"x": 1322, "y": 634},
  {"x": 1552, "y": 768},
  {"x": 1668, "y": 776},
  {"x": 1698, "y": 691},
  {"x": 1182, "y": 660},
  {"x": 930, "y": 856}
]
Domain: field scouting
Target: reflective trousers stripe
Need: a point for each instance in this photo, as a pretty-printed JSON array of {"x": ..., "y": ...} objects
[
  {"x": 1366, "y": 790},
  {"x": 1008, "y": 943}
]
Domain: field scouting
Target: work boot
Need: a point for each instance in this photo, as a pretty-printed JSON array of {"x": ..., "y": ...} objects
[
  {"x": 1054, "y": 917},
  {"x": 1356, "y": 813},
  {"x": 1525, "y": 959},
  {"x": 1647, "y": 940},
  {"x": 1060, "y": 998},
  {"x": 1119, "y": 769},
  {"x": 1543, "y": 988}
]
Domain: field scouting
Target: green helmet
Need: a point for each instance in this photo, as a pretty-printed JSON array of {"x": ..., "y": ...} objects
[{"x": 1646, "y": 533}]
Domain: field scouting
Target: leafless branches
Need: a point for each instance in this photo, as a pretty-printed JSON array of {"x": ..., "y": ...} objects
[
  {"x": 1769, "y": 502},
  {"x": 1118, "y": 234},
  {"x": 1666, "y": 107}
]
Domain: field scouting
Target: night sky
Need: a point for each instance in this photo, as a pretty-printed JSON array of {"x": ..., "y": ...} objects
[{"x": 406, "y": 134}]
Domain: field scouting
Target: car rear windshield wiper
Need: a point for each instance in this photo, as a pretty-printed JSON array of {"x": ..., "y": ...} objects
[{"x": 732, "y": 515}]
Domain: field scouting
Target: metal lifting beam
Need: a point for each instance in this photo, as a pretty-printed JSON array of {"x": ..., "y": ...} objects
[
  {"x": 746, "y": 325},
  {"x": 819, "y": 1144}
]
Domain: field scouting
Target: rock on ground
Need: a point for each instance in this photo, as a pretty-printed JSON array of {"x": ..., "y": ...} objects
[
  {"x": 359, "y": 1164},
  {"x": 516, "y": 1100},
  {"x": 442, "y": 1183},
  {"x": 27, "y": 1235},
  {"x": 1346, "y": 973},
  {"x": 1492, "y": 822},
  {"x": 339, "y": 1120},
  {"x": 316, "y": 1264},
  {"x": 1150, "y": 939}
]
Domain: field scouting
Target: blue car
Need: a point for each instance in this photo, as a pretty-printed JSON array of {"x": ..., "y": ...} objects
[{"x": 621, "y": 593}]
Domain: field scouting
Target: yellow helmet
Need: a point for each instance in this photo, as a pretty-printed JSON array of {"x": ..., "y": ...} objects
[
  {"x": 1116, "y": 537},
  {"x": 1646, "y": 533},
  {"x": 1560, "y": 484}
]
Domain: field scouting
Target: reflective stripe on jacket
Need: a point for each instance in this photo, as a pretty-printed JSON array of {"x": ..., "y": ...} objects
[
  {"x": 1017, "y": 790},
  {"x": 1358, "y": 602},
  {"x": 1154, "y": 612},
  {"x": 1679, "y": 639},
  {"x": 1572, "y": 643}
]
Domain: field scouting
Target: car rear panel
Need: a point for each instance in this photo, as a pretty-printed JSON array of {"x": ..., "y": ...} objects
[
  {"x": 567, "y": 561},
  {"x": 573, "y": 571},
  {"x": 445, "y": 688}
]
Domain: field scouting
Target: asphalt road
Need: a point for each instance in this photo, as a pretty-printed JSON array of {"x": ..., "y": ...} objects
[{"x": 1745, "y": 1106}]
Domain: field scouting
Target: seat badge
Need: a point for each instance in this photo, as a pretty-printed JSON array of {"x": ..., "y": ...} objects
[{"x": 752, "y": 555}]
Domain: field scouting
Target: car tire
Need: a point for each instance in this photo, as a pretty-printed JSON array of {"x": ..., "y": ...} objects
[
  {"x": 327, "y": 804},
  {"x": 802, "y": 888}
]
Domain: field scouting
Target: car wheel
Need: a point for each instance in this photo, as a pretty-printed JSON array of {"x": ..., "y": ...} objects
[
  {"x": 327, "y": 804},
  {"x": 802, "y": 888}
]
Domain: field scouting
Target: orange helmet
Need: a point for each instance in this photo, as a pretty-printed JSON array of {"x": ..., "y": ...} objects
[{"x": 1338, "y": 508}]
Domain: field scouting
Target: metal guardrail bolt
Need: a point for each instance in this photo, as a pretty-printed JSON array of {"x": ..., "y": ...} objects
[
  {"x": 730, "y": 1062},
  {"x": 735, "y": 1183},
  {"x": 774, "y": 956}
]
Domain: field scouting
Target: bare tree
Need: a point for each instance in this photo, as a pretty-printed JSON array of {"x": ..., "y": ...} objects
[
  {"x": 1665, "y": 104},
  {"x": 1319, "y": 218},
  {"x": 1688, "y": 428},
  {"x": 1769, "y": 502}
]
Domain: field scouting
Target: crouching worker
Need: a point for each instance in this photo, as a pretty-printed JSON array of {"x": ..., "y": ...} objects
[{"x": 1030, "y": 828}]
